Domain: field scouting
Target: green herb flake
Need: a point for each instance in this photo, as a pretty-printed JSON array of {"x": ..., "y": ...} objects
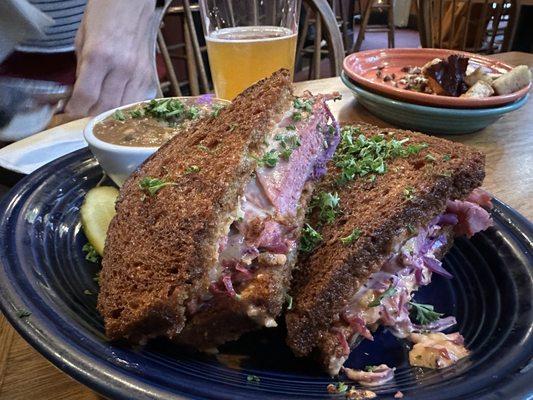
[
  {"x": 288, "y": 300},
  {"x": 290, "y": 127},
  {"x": 23, "y": 313},
  {"x": 423, "y": 314},
  {"x": 445, "y": 174},
  {"x": 327, "y": 204},
  {"x": 87, "y": 292},
  {"x": 430, "y": 157},
  {"x": 409, "y": 193},
  {"x": 416, "y": 148},
  {"x": 352, "y": 237},
  {"x": 269, "y": 159},
  {"x": 309, "y": 239},
  {"x": 391, "y": 291},
  {"x": 91, "y": 254},
  {"x": 297, "y": 116},
  {"x": 153, "y": 185},
  {"x": 216, "y": 110},
  {"x": 359, "y": 156},
  {"x": 119, "y": 115},
  {"x": 370, "y": 368},
  {"x": 411, "y": 229},
  {"x": 137, "y": 113},
  {"x": 305, "y": 105},
  {"x": 253, "y": 378},
  {"x": 446, "y": 157},
  {"x": 342, "y": 387},
  {"x": 192, "y": 169}
]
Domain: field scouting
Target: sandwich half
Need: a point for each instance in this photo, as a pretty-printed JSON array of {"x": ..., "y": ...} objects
[
  {"x": 211, "y": 220},
  {"x": 379, "y": 224}
]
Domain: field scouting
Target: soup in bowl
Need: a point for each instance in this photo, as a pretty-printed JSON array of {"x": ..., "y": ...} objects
[{"x": 122, "y": 138}]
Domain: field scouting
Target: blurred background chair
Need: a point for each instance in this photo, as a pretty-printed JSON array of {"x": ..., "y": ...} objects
[
  {"x": 320, "y": 18},
  {"x": 479, "y": 26},
  {"x": 366, "y": 8}
]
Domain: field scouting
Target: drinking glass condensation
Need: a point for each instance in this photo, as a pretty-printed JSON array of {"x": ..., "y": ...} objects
[{"x": 248, "y": 40}]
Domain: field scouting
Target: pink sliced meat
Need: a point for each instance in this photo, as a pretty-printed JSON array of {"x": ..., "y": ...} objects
[
  {"x": 472, "y": 218},
  {"x": 480, "y": 197},
  {"x": 284, "y": 183}
]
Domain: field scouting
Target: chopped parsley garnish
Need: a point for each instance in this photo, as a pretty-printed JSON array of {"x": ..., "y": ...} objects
[
  {"x": 342, "y": 387},
  {"x": 269, "y": 159},
  {"x": 309, "y": 239},
  {"x": 370, "y": 368},
  {"x": 327, "y": 204},
  {"x": 153, "y": 185},
  {"x": 253, "y": 378},
  {"x": 216, "y": 110},
  {"x": 91, "y": 254},
  {"x": 391, "y": 291},
  {"x": 297, "y": 116},
  {"x": 424, "y": 314},
  {"x": 288, "y": 299},
  {"x": 358, "y": 155},
  {"x": 305, "y": 105},
  {"x": 290, "y": 127},
  {"x": 287, "y": 144},
  {"x": 430, "y": 157},
  {"x": 416, "y": 148},
  {"x": 165, "y": 109},
  {"x": 97, "y": 278},
  {"x": 352, "y": 237},
  {"x": 446, "y": 174},
  {"x": 192, "y": 169},
  {"x": 87, "y": 292},
  {"x": 409, "y": 193},
  {"x": 119, "y": 115},
  {"x": 23, "y": 313},
  {"x": 137, "y": 113},
  {"x": 411, "y": 229},
  {"x": 446, "y": 157},
  {"x": 193, "y": 112}
]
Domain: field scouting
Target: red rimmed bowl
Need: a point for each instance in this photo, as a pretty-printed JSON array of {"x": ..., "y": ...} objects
[{"x": 362, "y": 68}]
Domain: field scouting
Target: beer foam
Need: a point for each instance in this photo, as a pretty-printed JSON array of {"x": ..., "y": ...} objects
[{"x": 247, "y": 34}]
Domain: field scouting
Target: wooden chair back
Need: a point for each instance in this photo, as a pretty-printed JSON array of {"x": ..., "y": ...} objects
[
  {"x": 326, "y": 25},
  {"x": 479, "y": 26}
]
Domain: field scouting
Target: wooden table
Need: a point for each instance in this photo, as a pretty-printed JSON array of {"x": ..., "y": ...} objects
[{"x": 508, "y": 144}]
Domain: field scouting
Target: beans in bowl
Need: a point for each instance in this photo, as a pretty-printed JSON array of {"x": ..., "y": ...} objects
[{"x": 152, "y": 123}]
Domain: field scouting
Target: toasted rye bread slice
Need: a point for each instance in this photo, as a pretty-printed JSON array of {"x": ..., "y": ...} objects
[
  {"x": 330, "y": 275},
  {"x": 159, "y": 247}
]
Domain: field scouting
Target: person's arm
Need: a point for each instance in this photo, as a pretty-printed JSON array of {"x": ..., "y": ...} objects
[{"x": 115, "y": 46}]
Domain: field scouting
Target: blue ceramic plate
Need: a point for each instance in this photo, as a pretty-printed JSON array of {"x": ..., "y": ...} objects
[
  {"x": 429, "y": 119},
  {"x": 43, "y": 272}
]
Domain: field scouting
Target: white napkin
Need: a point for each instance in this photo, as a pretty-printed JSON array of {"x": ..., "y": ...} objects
[{"x": 27, "y": 155}]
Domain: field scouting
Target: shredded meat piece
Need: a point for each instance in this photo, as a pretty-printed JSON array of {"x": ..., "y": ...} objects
[{"x": 377, "y": 376}]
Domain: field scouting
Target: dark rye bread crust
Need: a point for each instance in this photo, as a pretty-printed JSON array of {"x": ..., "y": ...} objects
[
  {"x": 326, "y": 279},
  {"x": 226, "y": 319},
  {"x": 159, "y": 247}
]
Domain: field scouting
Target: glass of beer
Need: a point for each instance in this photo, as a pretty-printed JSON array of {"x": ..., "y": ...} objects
[{"x": 248, "y": 40}]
